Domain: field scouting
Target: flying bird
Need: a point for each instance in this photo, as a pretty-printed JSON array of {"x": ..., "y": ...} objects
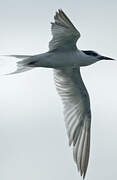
[{"x": 66, "y": 59}]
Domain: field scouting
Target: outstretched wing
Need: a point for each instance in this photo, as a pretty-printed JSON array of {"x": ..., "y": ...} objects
[
  {"x": 63, "y": 31},
  {"x": 77, "y": 113}
]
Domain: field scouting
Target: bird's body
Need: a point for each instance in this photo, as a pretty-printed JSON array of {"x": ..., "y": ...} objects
[{"x": 66, "y": 59}]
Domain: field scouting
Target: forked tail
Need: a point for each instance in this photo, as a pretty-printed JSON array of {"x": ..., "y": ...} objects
[{"x": 21, "y": 64}]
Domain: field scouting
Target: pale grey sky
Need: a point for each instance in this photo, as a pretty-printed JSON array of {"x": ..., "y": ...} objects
[{"x": 33, "y": 138}]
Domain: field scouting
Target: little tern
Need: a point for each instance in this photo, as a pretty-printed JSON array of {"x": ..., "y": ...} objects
[{"x": 66, "y": 59}]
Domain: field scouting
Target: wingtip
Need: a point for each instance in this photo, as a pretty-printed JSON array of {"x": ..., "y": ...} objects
[
  {"x": 60, "y": 10},
  {"x": 82, "y": 174}
]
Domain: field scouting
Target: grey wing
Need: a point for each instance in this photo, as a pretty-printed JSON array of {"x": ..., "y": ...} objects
[
  {"x": 77, "y": 113},
  {"x": 63, "y": 31}
]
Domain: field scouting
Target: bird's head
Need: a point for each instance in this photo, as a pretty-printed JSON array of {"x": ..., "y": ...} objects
[{"x": 97, "y": 56}]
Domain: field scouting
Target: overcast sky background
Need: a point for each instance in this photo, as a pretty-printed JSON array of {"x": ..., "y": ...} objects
[{"x": 33, "y": 140}]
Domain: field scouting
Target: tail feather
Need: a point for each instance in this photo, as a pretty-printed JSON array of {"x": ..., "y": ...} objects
[
  {"x": 18, "y": 56},
  {"x": 20, "y": 70},
  {"x": 21, "y": 67}
]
